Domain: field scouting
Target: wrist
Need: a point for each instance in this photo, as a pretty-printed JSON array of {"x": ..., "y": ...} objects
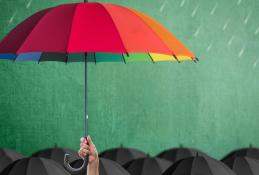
[{"x": 94, "y": 164}]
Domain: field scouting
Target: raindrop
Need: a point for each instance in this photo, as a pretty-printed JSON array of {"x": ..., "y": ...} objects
[
  {"x": 29, "y": 4},
  {"x": 12, "y": 17},
  {"x": 195, "y": 11},
  {"x": 239, "y": 2},
  {"x": 230, "y": 41},
  {"x": 162, "y": 6},
  {"x": 182, "y": 3},
  {"x": 255, "y": 63},
  {"x": 209, "y": 46},
  {"x": 213, "y": 9},
  {"x": 225, "y": 25},
  {"x": 257, "y": 31},
  {"x": 247, "y": 18},
  {"x": 197, "y": 32},
  {"x": 241, "y": 51}
]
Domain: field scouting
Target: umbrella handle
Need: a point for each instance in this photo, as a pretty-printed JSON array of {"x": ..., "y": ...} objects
[{"x": 71, "y": 170}]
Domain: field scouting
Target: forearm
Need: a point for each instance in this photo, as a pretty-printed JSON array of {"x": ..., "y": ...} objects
[{"x": 93, "y": 168}]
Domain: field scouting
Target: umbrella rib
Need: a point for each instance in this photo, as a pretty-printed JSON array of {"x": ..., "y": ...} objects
[
  {"x": 175, "y": 57},
  {"x": 66, "y": 57},
  {"x": 15, "y": 58},
  {"x": 94, "y": 58},
  {"x": 151, "y": 57},
  {"x": 123, "y": 58},
  {"x": 39, "y": 59}
]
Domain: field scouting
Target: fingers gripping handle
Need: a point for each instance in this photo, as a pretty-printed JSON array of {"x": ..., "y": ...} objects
[{"x": 74, "y": 171}]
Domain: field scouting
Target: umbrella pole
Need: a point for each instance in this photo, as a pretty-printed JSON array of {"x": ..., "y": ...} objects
[
  {"x": 83, "y": 168},
  {"x": 86, "y": 104},
  {"x": 86, "y": 112}
]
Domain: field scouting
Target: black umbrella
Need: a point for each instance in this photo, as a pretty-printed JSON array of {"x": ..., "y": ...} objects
[
  {"x": 148, "y": 166},
  {"x": 57, "y": 154},
  {"x": 244, "y": 152},
  {"x": 106, "y": 167},
  {"x": 243, "y": 165},
  {"x": 8, "y": 156},
  {"x": 122, "y": 155},
  {"x": 199, "y": 165},
  {"x": 34, "y": 166},
  {"x": 176, "y": 154}
]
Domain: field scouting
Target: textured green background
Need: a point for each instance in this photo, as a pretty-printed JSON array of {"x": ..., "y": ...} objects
[{"x": 212, "y": 105}]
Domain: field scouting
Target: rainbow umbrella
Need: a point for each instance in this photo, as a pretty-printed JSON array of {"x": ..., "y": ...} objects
[{"x": 92, "y": 32}]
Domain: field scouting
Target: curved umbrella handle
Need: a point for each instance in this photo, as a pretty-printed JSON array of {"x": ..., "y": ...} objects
[{"x": 71, "y": 170}]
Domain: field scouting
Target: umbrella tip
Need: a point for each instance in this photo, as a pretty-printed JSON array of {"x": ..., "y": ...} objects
[
  {"x": 197, "y": 154},
  {"x": 175, "y": 57},
  {"x": 250, "y": 145},
  {"x": 56, "y": 145},
  {"x": 181, "y": 145},
  {"x": 121, "y": 145},
  {"x": 148, "y": 155}
]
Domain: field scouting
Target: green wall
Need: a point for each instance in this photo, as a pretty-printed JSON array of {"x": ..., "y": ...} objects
[{"x": 212, "y": 105}]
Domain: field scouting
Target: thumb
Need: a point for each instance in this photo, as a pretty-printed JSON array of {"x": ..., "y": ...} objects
[
  {"x": 89, "y": 140},
  {"x": 83, "y": 140}
]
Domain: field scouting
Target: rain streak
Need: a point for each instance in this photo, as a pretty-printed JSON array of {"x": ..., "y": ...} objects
[
  {"x": 213, "y": 9},
  {"x": 195, "y": 11},
  {"x": 240, "y": 54},
  {"x": 230, "y": 41},
  {"x": 12, "y": 18},
  {"x": 255, "y": 63},
  {"x": 182, "y": 3},
  {"x": 29, "y": 4}
]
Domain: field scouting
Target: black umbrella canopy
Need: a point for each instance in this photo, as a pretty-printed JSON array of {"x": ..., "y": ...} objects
[
  {"x": 57, "y": 154},
  {"x": 106, "y": 167},
  {"x": 244, "y": 152},
  {"x": 243, "y": 165},
  {"x": 34, "y": 166},
  {"x": 148, "y": 166},
  {"x": 176, "y": 154},
  {"x": 199, "y": 165},
  {"x": 8, "y": 156},
  {"x": 122, "y": 155}
]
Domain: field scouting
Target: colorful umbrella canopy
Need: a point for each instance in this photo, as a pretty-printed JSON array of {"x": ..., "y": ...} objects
[
  {"x": 92, "y": 32},
  {"x": 106, "y": 32}
]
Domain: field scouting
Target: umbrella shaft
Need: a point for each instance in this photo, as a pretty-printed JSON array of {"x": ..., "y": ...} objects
[{"x": 86, "y": 104}]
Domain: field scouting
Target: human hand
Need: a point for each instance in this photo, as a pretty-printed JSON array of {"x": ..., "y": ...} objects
[{"x": 87, "y": 147}]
